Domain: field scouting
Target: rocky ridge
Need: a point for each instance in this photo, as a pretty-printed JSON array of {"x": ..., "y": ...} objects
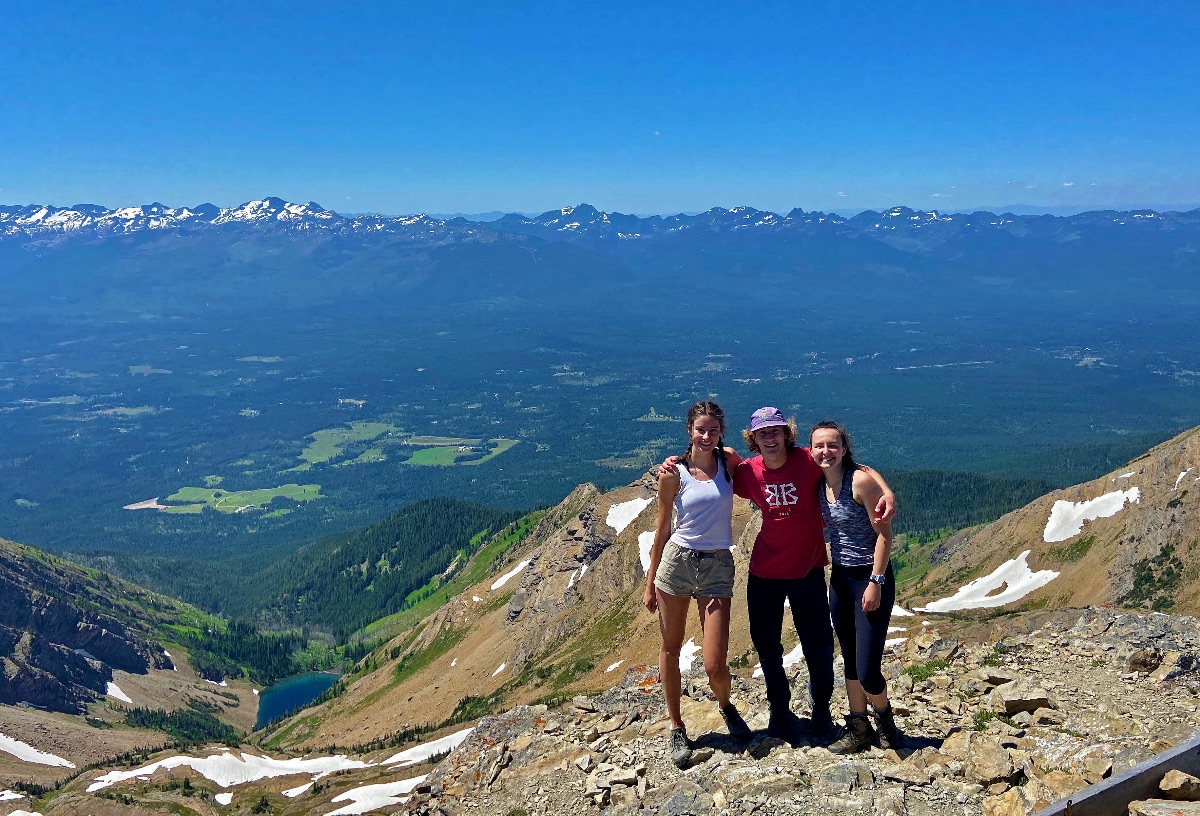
[
  {"x": 992, "y": 726},
  {"x": 63, "y": 630},
  {"x": 1141, "y": 550}
]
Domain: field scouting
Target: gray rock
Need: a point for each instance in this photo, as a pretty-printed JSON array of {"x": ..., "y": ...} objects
[{"x": 1019, "y": 695}]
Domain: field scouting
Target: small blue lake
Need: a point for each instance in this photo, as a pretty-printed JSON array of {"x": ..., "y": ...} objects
[{"x": 291, "y": 694}]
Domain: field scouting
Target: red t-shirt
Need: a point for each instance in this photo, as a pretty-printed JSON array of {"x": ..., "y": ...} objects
[{"x": 792, "y": 540}]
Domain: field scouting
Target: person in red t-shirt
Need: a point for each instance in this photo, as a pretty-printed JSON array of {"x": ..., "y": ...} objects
[{"x": 788, "y": 564}]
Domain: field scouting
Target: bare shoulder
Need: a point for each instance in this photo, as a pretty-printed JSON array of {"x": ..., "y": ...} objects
[
  {"x": 864, "y": 486},
  {"x": 668, "y": 479}
]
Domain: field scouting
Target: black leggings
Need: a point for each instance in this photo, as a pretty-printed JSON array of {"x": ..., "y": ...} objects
[
  {"x": 861, "y": 634},
  {"x": 810, "y": 615}
]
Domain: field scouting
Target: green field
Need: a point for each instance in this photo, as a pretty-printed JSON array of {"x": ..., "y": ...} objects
[
  {"x": 331, "y": 442},
  {"x": 446, "y": 455},
  {"x": 440, "y": 440},
  {"x": 195, "y": 499},
  {"x": 126, "y": 411},
  {"x": 260, "y": 359},
  {"x": 369, "y": 455}
]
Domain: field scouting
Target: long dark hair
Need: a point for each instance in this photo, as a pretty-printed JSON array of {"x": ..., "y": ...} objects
[
  {"x": 705, "y": 408},
  {"x": 848, "y": 463}
]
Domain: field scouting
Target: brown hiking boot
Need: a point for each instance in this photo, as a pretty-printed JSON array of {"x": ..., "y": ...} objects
[{"x": 859, "y": 735}]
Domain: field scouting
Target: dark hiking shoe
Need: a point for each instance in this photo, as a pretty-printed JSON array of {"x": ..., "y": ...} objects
[
  {"x": 823, "y": 727},
  {"x": 859, "y": 736},
  {"x": 785, "y": 725},
  {"x": 734, "y": 723},
  {"x": 681, "y": 749},
  {"x": 889, "y": 734}
]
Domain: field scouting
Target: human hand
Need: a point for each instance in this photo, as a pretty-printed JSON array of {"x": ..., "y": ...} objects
[
  {"x": 885, "y": 508},
  {"x": 870, "y": 598},
  {"x": 668, "y": 465},
  {"x": 650, "y": 598}
]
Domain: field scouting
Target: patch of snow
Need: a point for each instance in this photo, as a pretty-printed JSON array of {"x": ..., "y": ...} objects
[
  {"x": 114, "y": 690},
  {"x": 893, "y": 642},
  {"x": 223, "y": 798},
  {"x": 1014, "y": 576},
  {"x": 622, "y": 515},
  {"x": 1125, "y": 475},
  {"x": 645, "y": 545},
  {"x": 687, "y": 655},
  {"x": 1181, "y": 475},
  {"x": 895, "y": 628},
  {"x": 900, "y": 612},
  {"x": 454, "y": 662},
  {"x": 499, "y": 669},
  {"x": 292, "y": 793},
  {"x": 375, "y": 797},
  {"x": 790, "y": 659},
  {"x": 476, "y": 598},
  {"x": 614, "y": 666},
  {"x": 27, "y": 753},
  {"x": 571, "y": 580},
  {"x": 420, "y": 753},
  {"x": 255, "y": 692},
  {"x": 8, "y": 796},
  {"x": 227, "y": 769},
  {"x": 168, "y": 654},
  {"x": 503, "y": 579},
  {"x": 1067, "y": 518}
]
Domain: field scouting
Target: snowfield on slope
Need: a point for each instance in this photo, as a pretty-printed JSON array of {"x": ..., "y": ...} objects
[{"x": 1014, "y": 576}]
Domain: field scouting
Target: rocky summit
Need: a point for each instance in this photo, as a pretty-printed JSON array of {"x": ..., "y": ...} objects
[{"x": 992, "y": 726}]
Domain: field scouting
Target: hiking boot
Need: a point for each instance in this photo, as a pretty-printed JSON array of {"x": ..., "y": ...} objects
[
  {"x": 734, "y": 723},
  {"x": 681, "y": 748},
  {"x": 784, "y": 725},
  {"x": 823, "y": 727},
  {"x": 889, "y": 734},
  {"x": 858, "y": 737}
]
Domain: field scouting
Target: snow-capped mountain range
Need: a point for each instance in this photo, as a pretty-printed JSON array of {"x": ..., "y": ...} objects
[
  {"x": 39, "y": 221},
  {"x": 37, "y": 224}
]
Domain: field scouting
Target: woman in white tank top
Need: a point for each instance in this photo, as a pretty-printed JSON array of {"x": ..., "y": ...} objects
[{"x": 694, "y": 561}]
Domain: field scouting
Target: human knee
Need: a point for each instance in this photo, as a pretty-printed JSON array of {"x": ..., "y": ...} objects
[
  {"x": 875, "y": 685},
  {"x": 716, "y": 669}
]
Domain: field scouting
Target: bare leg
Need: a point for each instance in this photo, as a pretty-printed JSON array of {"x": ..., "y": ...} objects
[
  {"x": 856, "y": 697},
  {"x": 859, "y": 698},
  {"x": 672, "y": 622},
  {"x": 714, "y": 621}
]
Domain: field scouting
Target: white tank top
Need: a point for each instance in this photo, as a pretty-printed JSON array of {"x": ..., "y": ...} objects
[{"x": 704, "y": 511}]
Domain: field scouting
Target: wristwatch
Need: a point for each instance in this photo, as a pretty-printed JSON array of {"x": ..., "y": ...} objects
[{"x": 878, "y": 579}]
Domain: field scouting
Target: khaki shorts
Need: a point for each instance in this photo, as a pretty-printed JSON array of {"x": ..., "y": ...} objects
[{"x": 694, "y": 574}]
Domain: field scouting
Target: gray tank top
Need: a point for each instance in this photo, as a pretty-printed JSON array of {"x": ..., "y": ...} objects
[
  {"x": 848, "y": 527},
  {"x": 704, "y": 511}
]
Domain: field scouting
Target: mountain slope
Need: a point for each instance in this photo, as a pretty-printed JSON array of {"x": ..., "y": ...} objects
[
  {"x": 80, "y": 651},
  {"x": 65, "y": 628},
  {"x": 1129, "y": 538},
  {"x": 346, "y": 581}
]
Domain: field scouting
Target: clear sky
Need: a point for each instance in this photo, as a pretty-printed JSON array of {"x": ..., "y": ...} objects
[{"x": 447, "y": 106}]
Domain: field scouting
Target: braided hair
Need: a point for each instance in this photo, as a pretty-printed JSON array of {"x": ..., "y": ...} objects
[{"x": 705, "y": 408}]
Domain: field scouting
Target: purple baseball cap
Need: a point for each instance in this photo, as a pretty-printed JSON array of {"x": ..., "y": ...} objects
[{"x": 767, "y": 417}]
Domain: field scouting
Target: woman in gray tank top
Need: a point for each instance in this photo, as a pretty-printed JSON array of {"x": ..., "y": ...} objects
[
  {"x": 862, "y": 588},
  {"x": 693, "y": 560}
]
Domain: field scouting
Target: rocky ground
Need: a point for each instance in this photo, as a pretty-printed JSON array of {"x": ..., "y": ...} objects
[{"x": 992, "y": 726}]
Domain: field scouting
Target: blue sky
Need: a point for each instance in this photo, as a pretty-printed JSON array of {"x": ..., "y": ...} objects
[{"x": 633, "y": 107}]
